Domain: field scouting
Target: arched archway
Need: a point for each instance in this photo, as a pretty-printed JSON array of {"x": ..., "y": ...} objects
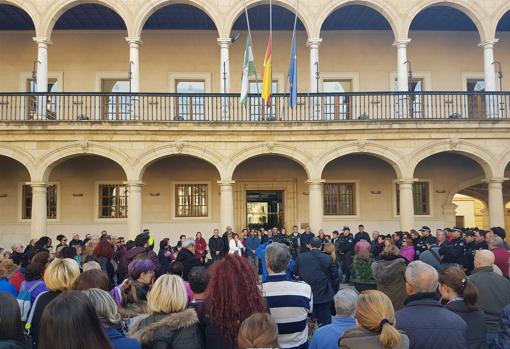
[{"x": 17, "y": 15}]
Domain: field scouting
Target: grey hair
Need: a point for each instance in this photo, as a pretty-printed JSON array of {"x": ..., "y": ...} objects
[
  {"x": 422, "y": 277},
  {"x": 277, "y": 256},
  {"x": 345, "y": 302},
  {"x": 497, "y": 242},
  {"x": 105, "y": 306}
]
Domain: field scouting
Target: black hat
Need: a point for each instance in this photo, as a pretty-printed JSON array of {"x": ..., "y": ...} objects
[
  {"x": 424, "y": 228},
  {"x": 316, "y": 243},
  {"x": 141, "y": 239},
  {"x": 470, "y": 233},
  {"x": 458, "y": 229}
]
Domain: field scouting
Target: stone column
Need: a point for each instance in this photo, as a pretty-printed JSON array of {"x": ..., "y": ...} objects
[
  {"x": 488, "y": 67},
  {"x": 314, "y": 63},
  {"x": 224, "y": 44},
  {"x": 134, "y": 213},
  {"x": 315, "y": 204},
  {"x": 449, "y": 214},
  {"x": 226, "y": 203},
  {"x": 496, "y": 203},
  {"x": 406, "y": 204},
  {"x": 402, "y": 70},
  {"x": 42, "y": 76},
  {"x": 134, "y": 63},
  {"x": 38, "y": 226}
]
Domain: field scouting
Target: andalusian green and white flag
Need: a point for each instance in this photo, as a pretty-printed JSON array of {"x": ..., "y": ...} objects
[{"x": 249, "y": 69}]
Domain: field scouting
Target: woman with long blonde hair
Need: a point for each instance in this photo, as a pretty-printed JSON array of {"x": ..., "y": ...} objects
[{"x": 375, "y": 320}]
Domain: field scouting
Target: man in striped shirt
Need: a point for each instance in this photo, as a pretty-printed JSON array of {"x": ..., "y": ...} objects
[{"x": 289, "y": 301}]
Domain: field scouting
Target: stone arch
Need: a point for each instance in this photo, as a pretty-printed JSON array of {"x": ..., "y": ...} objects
[
  {"x": 173, "y": 149},
  {"x": 392, "y": 157},
  {"x": 238, "y": 9},
  {"x": 386, "y": 11},
  {"x": 51, "y": 159},
  {"x": 57, "y": 9},
  {"x": 150, "y": 7},
  {"x": 461, "y": 186},
  {"x": 20, "y": 155},
  {"x": 469, "y": 8},
  {"x": 503, "y": 164},
  {"x": 290, "y": 152},
  {"x": 481, "y": 156},
  {"x": 26, "y": 6},
  {"x": 497, "y": 16}
]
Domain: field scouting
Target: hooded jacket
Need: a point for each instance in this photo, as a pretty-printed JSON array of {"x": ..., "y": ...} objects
[
  {"x": 389, "y": 275},
  {"x": 168, "y": 331},
  {"x": 476, "y": 330},
  {"x": 360, "y": 338}
]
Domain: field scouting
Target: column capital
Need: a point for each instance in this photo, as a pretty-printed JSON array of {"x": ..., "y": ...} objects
[
  {"x": 488, "y": 44},
  {"x": 401, "y": 43},
  {"x": 37, "y": 184},
  {"x": 42, "y": 42},
  {"x": 134, "y": 42},
  {"x": 226, "y": 183},
  {"x": 495, "y": 180},
  {"x": 314, "y": 43},
  {"x": 406, "y": 180},
  {"x": 315, "y": 181},
  {"x": 224, "y": 42},
  {"x": 134, "y": 183}
]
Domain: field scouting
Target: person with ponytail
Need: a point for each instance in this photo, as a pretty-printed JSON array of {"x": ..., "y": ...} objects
[
  {"x": 461, "y": 296},
  {"x": 375, "y": 320}
]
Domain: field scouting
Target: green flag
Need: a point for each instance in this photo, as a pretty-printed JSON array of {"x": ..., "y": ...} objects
[{"x": 249, "y": 69}]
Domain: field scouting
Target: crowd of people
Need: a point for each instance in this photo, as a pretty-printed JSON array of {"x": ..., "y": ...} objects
[{"x": 259, "y": 289}]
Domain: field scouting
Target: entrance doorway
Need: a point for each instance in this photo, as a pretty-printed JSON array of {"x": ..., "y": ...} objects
[{"x": 264, "y": 209}]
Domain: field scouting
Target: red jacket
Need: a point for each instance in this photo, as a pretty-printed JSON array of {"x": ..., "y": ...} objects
[
  {"x": 200, "y": 248},
  {"x": 501, "y": 260},
  {"x": 16, "y": 279}
]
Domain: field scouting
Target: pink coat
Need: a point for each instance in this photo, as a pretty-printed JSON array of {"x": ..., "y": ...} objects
[
  {"x": 408, "y": 253},
  {"x": 362, "y": 246}
]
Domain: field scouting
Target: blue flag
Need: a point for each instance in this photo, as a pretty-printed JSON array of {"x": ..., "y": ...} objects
[{"x": 293, "y": 74}]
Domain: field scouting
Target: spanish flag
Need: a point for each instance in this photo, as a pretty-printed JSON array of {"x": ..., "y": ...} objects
[{"x": 268, "y": 74}]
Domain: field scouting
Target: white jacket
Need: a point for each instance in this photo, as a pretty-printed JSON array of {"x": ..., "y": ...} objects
[{"x": 234, "y": 247}]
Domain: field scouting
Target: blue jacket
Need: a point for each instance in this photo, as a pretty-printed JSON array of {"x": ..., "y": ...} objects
[
  {"x": 6, "y": 286},
  {"x": 261, "y": 252},
  {"x": 252, "y": 242},
  {"x": 429, "y": 325},
  {"x": 318, "y": 270},
  {"x": 327, "y": 336},
  {"x": 120, "y": 341},
  {"x": 502, "y": 340}
]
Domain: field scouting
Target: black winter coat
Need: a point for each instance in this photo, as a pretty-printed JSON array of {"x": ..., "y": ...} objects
[
  {"x": 429, "y": 325},
  {"x": 188, "y": 260},
  {"x": 476, "y": 330},
  {"x": 502, "y": 340},
  {"x": 319, "y": 271},
  {"x": 168, "y": 331},
  {"x": 216, "y": 244},
  {"x": 11, "y": 344}
]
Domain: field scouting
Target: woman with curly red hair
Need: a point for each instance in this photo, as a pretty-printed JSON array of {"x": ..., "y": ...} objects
[{"x": 232, "y": 296}]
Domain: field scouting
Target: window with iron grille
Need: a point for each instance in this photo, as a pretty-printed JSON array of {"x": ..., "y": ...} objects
[
  {"x": 51, "y": 201},
  {"x": 113, "y": 201},
  {"x": 421, "y": 198},
  {"x": 191, "y": 200},
  {"x": 339, "y": 199}
]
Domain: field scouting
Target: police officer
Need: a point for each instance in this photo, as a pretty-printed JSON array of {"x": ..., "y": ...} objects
[
  {"x": 295, "y": 242},
  {"x": 470, "y": 250},
  {"x": 345, "y": 250},
  {"x": 458, "y": 244},
  {"x": 481, "y": 244}
]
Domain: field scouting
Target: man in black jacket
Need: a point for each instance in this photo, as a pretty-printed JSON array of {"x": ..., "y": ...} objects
[
  {"x": 187, "y": 257},
  {"x": 361, "y": 234},
  {"x": 345, "y": 250},
  {"x": 319, "y": 271},
  {"x": 216, "y": 246}
]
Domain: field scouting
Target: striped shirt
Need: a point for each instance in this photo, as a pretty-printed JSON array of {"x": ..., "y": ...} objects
[{"x": 289, "y": 302}]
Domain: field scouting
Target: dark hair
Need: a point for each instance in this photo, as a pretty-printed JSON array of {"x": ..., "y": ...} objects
[
  {"x": 68, "y": 252},
  {"x": 73, "y": 317},
  {"x": 447, "y": 255},
  {"x": 182, "y": 236},
  {"x": 456, "y": 279},
  {"x": 10, "y": 318},
  {"x": 163, "y": 243},
  {"x": 139, "y": 266},
  {"x": 104, "y": 249},
  {"x": 141, "y": 239},
  {"x": 42, "y": 257},
  {"x": 130, "y": 244},
  {"x": 198, "y": 279},
  {"x": 499, "y": 232},
  {"x": 41, "y": 243},
  {"x": 60, "y": 237},
  {"x": 34, "y": 271},
  {"x": 482, "y": 233},
  {"x": 93, "y": 278},
  {"x": 176, "y": 268}
]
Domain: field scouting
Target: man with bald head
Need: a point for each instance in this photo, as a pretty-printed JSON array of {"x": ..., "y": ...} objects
[
  {"x": 493, "y": 291},
  {"x": 423, "y": 319}
]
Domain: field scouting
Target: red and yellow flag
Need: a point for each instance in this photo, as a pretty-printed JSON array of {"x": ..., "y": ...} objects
[{"x": 268, "y": 74}]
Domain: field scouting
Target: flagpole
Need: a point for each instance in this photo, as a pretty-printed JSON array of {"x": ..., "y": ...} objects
[
  {"x": 293, "y": 36},
  {"x": 251, "y": 41}
]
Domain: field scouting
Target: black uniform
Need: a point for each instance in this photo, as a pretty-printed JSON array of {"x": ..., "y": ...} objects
[
  {"x": 458, "y": 246},
  {"x": 469, "y": 256},
  {"x": 295, "y": 243},
  {"x": 361, "y": 235},
  {"x": 482, "y": 245},
  {"x": 216, "y": 244},
  {"x": 345, "y": 250}
]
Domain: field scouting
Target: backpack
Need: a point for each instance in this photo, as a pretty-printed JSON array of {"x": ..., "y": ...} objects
[{"x": 25, "y": 299}]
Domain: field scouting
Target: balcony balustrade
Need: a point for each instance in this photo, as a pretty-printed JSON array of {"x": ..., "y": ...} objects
[{"x": 225, "y": 108}]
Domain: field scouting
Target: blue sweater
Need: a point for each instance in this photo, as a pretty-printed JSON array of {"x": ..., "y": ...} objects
[
  {"x": 120, "y": 341},
  {"x": 6, "y": 286},
  {"x": 252, "y": 243},
  {"x": 261, "y": 252},
  {"x": 327, "y": 336}
]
